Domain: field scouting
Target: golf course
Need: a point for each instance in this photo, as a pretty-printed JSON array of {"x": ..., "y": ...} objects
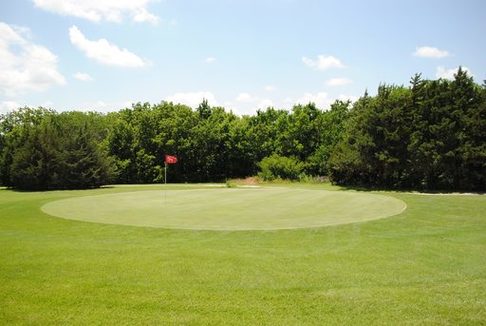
[
  {"x": 285, "y": 254},
  {"x": 242, "y": 162}
]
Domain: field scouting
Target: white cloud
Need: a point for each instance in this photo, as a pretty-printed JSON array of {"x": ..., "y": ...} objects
[
  {"x": 25, "y": 66},
  {"x": 210, "y": 60},
  {"x": 323, "y": 62},
  {"x": 104, "y": 52},
  {"x": 7, "y": 106},
  {"x": 320, "y": 99},
  {"x": 192, "y": 99},
  {"x": 227, "y": 104},
  {"x": 445, "y": 73},
  {"x": 430, "y": 52},
  {"x": 101, "y": 106},
  {"x": 288, "y": 101},
  {"x": 270, "y": 88},
  {"x": 265, "y": 103},
  {"x": 245, "y": 98},
  {"x": 246, "y": 103},
  {"x": 338, "y": 82},
  {"x": 254, "y": 101},
  {"x": 98, "y": 10},
  {"x": 345, "y": 98},
  {"x": 82, "y": 76},
  {"x": 143, "y": 15}
]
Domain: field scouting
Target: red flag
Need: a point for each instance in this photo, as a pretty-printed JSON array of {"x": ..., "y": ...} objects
[{"x": 170, "y": 159}]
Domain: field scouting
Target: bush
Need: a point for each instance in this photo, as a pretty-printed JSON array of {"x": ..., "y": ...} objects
[{"x": 280, "y": 167}]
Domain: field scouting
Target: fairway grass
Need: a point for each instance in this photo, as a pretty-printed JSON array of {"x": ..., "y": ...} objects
[
  {"x": 228, "y": 209},
  {"x": 425, "y": 266}
]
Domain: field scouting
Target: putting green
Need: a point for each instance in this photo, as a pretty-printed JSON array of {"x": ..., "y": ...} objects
[{"x": 228, "y": 209}]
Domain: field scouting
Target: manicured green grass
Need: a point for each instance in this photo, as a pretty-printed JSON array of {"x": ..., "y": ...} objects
[
  {"x": 268, "y": 208},
  {"x": 424, "y": 266}
]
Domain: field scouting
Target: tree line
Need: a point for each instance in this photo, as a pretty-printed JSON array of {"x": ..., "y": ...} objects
[{"x": 429, "y": 135}]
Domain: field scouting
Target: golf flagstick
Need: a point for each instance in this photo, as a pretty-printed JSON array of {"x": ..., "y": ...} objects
[
  {"x": 165, "y": 183},
  {"x": 165, "y": 173},
  {"x": 168, "y": 159}
]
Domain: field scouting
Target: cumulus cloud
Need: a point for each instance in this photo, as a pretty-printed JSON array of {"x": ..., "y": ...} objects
[
  {"x": 245, "y": 103},
  {"x": 430, "y": 52},
  {"x": 7, "y": 106},
  {"x": 143, "y": 15},
  {"x": 82, "y": 76},
  {"x": 98, "y": 10},
  {"x": 265, "y": 103},
  {"x": 345, "y": 98},
  {"x": 192, "y": 99},
  {"x": 103, "y": 51},
  {"x": 338, "y": 82},
  {"x": 104, "y": 106},
  {"x": 321, "y": 99},
  {"x": 323, "y": 62},
  {"x": 25, "y": 66},
  {"x": 445, "y": 73},
  {"x": 245, "y": 98}
]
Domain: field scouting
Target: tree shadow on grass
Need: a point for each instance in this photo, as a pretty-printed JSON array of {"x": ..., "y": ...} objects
[
  {"x": 53, "y": 189},
  {"x": 410, "y": 190}
]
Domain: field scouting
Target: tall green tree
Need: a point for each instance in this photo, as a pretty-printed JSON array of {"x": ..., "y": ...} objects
[
  {"x": 427, "y": 136},
  {"x": 46, "y": 150},
  {"x": 329, "y": 129}
]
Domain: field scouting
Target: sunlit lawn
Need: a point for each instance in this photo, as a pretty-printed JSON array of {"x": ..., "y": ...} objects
[{"x": 424, "y": 266}]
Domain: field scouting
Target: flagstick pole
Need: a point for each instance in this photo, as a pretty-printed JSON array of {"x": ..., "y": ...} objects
[
  {"x": 165, "y": 182},
  {"x": 165, "y": 171}
]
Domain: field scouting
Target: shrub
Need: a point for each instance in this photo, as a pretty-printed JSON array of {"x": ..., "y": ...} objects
[{"x": 280, "y": 167}]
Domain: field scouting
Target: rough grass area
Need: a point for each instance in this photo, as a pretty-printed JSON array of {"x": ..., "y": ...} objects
[{"x": 424, "y": 266}]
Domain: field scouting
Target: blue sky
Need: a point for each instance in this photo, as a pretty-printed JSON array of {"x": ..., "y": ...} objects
[{"x": 105, "y": 54}]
